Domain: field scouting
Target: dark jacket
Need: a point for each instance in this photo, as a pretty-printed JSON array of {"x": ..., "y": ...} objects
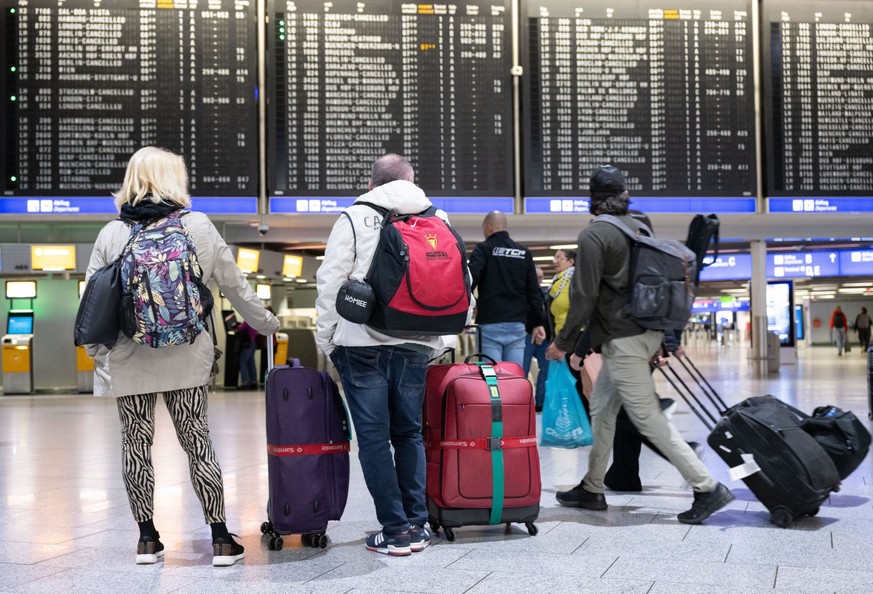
[
  {"x": 533, "y": 319},
  {"x": 599, "y": 293},
  {"x": 504, "y": 273}
]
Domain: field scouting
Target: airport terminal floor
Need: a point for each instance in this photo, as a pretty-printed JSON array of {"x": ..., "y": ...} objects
[{"x": 65, "y": 524}]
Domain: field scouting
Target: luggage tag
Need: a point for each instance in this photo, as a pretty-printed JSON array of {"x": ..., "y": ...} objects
[{"x": 747, "y": 468}]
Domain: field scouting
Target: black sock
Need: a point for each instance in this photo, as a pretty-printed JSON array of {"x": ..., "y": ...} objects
[
  {"x": 219, "y": 530},
  {"x": 147, "y": 528}
]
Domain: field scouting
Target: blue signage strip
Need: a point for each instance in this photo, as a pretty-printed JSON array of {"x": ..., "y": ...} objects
[
  {"x": 90, "y": 205},
  {"x": 310, "y": 205},
  {"x": 715, "y": 305},
  {"x": 802, "y": 264},
  {"x": 336, "y": 204},
  {"x": 728, "y": 267},
  {"x": 792, "y": 265},
  {"x": 855, "y": 262},
  {"x": 818, "y": 205},
  {"x": 579, "y": 205}
]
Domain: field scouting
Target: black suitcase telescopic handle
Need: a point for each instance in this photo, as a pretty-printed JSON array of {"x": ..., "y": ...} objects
[{"x": 687, "y": 395}]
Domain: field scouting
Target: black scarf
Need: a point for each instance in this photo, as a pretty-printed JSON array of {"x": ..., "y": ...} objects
[{"x": 146, "y": 211}]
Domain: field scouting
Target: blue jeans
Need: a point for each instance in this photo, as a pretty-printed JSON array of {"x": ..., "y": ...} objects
[
  {"x": 504, "y": 341},
  {"x": 532, "y": 350},
  {"x": 384, "y": 386},
  {"x": 247, "y": 368}
]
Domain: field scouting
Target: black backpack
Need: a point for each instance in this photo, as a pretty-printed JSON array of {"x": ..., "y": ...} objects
[
  {"x": 840, "y": 433},
  {"x": 661, "y": 283},
  {"x": 702, "y": 232},
  {"x": 839, "y": 320}
]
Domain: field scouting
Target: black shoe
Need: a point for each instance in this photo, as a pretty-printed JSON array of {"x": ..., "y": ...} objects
[
  {"x": 149, "y": 549},
  {"x": 698, "y": 448},
  {"x": 226, "y": 551},
  {"x": 668, "y": 406},
  {"x": 706, "y": 504},
  {"x": 621, "y": 486},
  {"x": 538, "y": 408},
  {"x": 579, "y": 497}
]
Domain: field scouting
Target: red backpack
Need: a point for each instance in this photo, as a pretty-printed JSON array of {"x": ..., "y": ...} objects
[{"x": 418, "y": 275}]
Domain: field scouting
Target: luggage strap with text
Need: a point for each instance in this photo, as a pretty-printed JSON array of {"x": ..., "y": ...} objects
[
  {"x": 497, "y": 473},
  {"x": 486, "y": 443},
  {"x": 308, "y": 449}
]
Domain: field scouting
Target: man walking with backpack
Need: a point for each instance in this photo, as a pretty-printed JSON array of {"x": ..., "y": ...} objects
[
  {"x": 838, "y": 327},
  {"x": 383, "y": 375},
  {"x": 598, "y": 299}
]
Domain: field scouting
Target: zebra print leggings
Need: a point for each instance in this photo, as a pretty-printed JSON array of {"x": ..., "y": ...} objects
[{"x": 188, "y": 410}]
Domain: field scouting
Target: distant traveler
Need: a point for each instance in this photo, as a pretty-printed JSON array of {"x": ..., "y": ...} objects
[
  {"x": 248, "y": 345},
  {"x": 156, "y": 185},
  {"x": 598, "y": 295},
  {"x": 383, "y": 376},
  {"x": 862, "y": 327},
  {"x": 839, "y": 325},
  {"x": 504, "y": 273}
]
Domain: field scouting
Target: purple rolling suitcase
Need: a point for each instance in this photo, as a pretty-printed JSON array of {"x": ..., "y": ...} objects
[{"x": 308, "y": 438}]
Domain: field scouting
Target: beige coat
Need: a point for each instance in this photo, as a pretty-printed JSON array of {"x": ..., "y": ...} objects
[{"x": 131, "y": 368}]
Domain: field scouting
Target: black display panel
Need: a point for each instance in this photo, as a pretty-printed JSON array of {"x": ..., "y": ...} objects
[
  {"x": 817, "y": 73},
  {"x": 351, "y": 81},
  {"x": 663, "y": 91},
  {"x": 85, "y": 83}
]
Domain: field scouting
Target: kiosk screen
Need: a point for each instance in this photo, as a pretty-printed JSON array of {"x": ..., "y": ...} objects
[{"x": 19, "y": 323}]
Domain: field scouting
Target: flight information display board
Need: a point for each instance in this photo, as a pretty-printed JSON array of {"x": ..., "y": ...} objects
[
  {"x": 350, "y": 82},
  {"x": 818, "y": 64},
  {"x": 85, "y": 83},
  {"x": 664, "y": 91}
]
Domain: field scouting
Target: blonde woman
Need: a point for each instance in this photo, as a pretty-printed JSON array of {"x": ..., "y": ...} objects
[{"x": 155, "y": 186}]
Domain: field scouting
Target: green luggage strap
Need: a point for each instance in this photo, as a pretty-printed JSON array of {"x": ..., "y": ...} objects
[{"x": 494, "y": 443}]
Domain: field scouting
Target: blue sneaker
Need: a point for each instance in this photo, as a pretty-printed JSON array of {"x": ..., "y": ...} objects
[
  {"x": 419, "y": 538},
  {"x": 389, "y": 544}
]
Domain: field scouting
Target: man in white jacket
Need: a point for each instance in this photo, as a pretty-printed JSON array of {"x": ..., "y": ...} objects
[{"x": 383, "y": 376}]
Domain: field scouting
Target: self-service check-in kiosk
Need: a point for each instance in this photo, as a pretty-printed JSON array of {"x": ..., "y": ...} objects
[
  {"x": 281, "y": 356},
  {"x": 17, "y": 356},
  {"x": 84, "y": 371}
]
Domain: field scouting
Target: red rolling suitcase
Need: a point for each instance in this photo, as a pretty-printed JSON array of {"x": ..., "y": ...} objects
[
  {"x": 480, "y": 438},
  {"x": 308, "y": 436}
]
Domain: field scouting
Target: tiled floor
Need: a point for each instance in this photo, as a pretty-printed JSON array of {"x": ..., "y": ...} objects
[{"x": 65, "y": 525}]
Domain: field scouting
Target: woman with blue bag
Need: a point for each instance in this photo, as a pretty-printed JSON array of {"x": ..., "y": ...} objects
[{"x": 565, "y": 418}]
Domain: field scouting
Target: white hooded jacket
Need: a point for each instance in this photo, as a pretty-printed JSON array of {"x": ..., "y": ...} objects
[{"x": 345, "y": 258}]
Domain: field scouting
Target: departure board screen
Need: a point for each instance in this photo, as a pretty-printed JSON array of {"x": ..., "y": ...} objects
[
  {"x": 86, "y": 83},
  {"x": 818, "y": 68},
  {"x": 665, "y": 92},
  {"x": 353, "y": 81}
]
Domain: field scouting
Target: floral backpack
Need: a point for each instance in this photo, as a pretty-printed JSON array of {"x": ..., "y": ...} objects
[{"x": 164, "y": 301}]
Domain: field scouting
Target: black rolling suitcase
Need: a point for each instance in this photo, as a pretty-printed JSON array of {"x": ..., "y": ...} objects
[{"x": 763, "y": 443}]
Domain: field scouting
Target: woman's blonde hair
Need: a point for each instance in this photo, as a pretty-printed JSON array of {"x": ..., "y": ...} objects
[{"x": 156, "y": 175}]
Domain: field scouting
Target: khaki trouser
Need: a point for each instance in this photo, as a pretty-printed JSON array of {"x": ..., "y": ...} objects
[{"x": 626, "y": 379}]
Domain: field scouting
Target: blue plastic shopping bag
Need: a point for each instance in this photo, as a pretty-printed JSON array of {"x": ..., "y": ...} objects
[{"x": 565, "y": 424}]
